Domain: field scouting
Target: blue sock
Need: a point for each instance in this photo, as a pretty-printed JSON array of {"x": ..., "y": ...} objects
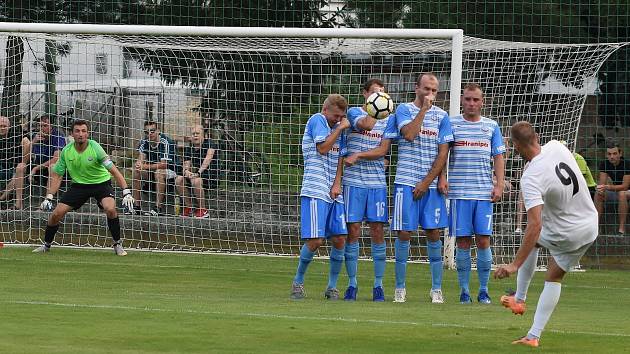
[
  {"x": 484, "y": 264},
  {"x": 336, "y": 260},
  {"x": 435, "y": 260},
  {"x": 352, "y": 256},
  {"x": 378, "y": 255},
  {"x": 306, "y": 256},
  {"x": 402, "y": 253},
  {"x": 462, "y": 260}
]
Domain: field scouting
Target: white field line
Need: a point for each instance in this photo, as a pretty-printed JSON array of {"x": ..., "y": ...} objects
[{"x": 290, "y": 317}]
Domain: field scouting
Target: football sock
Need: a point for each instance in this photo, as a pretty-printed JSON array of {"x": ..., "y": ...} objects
[
  {"x": 402, "y": 253},
  {"x": 462, "y": 260},
  {"x": 351, "y": 258},
  {"x": 49, "y": 235},
  {"x": 336, "y": 260},
  {"x": 435, "y": 261},
  {"x": 114, "y": 228},
  {"x": 525, "y": 274},
  {"x": 484, "y": 265},
  {"x": 306, "y": 256},
  {"x": 378, "y": 255},
  {"x": 546, "y": 304}
]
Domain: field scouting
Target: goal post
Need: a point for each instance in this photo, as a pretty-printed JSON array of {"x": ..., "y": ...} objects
[{"x": 252, "y": 91}]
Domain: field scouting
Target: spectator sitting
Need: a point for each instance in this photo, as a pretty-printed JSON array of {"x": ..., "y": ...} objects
[
  {"x": 14, "y": 157},
  {"x": 46, "y": 144},
  {"x": 617, "y": 169},
  {"x": 200, "y": 165},
  {"x": 156, "y": 162}
]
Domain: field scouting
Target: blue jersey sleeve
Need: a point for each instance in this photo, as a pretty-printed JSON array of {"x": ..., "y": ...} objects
[
  {"x": 497, "y": 141},
  {"x": 391, "y": 130},
  {"x": 343, "y": 144},
  {"x": 354, "y": 115},
  {"x": 445, "y": 134},
  {"x": 318, "y": 128},
  {"x": 403, "y": 116}
]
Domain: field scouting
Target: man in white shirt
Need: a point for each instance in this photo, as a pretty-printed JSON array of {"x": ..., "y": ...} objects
[{"x": 561, "y": 217}]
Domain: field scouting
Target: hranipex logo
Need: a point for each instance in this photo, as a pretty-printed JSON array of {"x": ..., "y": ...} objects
[
  {"x": 335, "y": 148},
  {"x": 429, "y": 132},
  {"x": 368, "y": 134},
  {"x": 472, "y": 144}
]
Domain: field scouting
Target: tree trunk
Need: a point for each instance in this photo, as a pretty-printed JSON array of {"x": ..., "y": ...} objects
[{"x": 10, "y": 104}]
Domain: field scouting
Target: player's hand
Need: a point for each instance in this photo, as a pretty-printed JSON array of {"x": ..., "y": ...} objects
[
  {"x": 127, "y": 200},
  {"x": 600, "y": 188},
  {"x": 443, "y": 186},
  {"x": 504, "y": 271},
  {"x": 497, "y": 193},
  {"x": 420, "y": 189},
  {"x": 344, "y": 123},
  {"x": 47, "y": 204},
  {"x": 351, "y": 160},
  {"x": 335, "y": 190},
  {"x": 428, "y": 102}
]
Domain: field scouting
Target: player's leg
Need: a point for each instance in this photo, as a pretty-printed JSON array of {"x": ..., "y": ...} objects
[
  {"x": 623, "y": 211},
  {"x": 377, "y": 216},
  {"x": 336, "y": 231},
  {"x": 355, "y": 200},
  {"x": 113, "y": 223},
  {"x": 461, "y": 227},
  {"x": 405, "y": 221},
  {"x": 482, "y": 227},
  {"x": 516, "y": 301},
  {"x": 433, "y": 218},
  {"x": 53, "y": 225},
  {"x": 312, "y": 230}
]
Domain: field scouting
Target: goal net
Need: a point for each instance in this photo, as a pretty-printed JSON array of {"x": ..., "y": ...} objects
[{"x": 251, "y": 94}]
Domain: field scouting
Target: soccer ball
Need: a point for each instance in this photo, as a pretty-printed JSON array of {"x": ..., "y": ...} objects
[{"x": 379, "y": 105}]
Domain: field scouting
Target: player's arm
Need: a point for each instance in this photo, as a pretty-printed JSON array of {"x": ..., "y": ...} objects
[
  {"x": 443, "y": 182},
  {"x": 499, "y": 172},
  {"x": 26, "y": 150},
  {"x": 366, "y": 123},
  {"x": 372, "y": 154},
  {"x": 434, "y": 172},
  {"x": 532, "y": 233},
  {"x": 325, "y": 146},
  {"x": 624, "y": 186},
  {"x": 335, "y": 190},
  {"x": 411, "y": 130}
]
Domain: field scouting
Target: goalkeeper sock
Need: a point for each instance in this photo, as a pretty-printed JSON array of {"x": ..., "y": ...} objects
[
  {"x": 546, "y": 304},
  {"x": 336, "y": 260},
  {"x": 114, "y": 228},
  {"x": 462, "y": 260},
  {"x": 435, "y": 261},
  {"x": 306, "y": 256},
  {"x": 402, "y": 253},
  {"x": 378, "y": 255},
  {"x": 484, "y": 264},
  {"x": 351, "y": 258},
  {"x": 525, "y": 274},
  {"x": 49, "y": 236}
]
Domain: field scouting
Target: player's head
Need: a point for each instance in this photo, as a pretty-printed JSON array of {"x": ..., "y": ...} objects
[
  {"x": 5, "y": 124},
  {"x": 45, "y": 125},
  {"x": 151, "y": 131},
  {"x": 371, "y": 86},
  {"x": 426, "y": 85},
  {"x": 80, "y": 131},
  {"x": 334, "y": 108},
  {"x": 613, "y": 153},
  {"x": 524, "y": 139},
  {"x": 196, "y": 134},
  {"x": 472, "y": 100}
]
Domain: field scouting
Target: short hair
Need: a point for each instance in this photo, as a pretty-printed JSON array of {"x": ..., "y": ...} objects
[
  {"x": 336, "y": 100},
  {"x": 428, "y": 73},
  {"x": 523, "y": 133},
  {"x": 370, "y": 82},
  {"x": 613, "y": 144},
  {"x": 80, "y": 122},
  {"x": 473, "y": 86},
  {"x": 45, "y": 117},
  {"x": 149, "y": 122}
]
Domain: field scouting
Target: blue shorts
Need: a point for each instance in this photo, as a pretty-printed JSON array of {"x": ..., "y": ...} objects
[
  {"x": 365, "y": 204},
  {"x": 428, "y": 211},
  {"x": 470, "y": 217},
  {"x": 322, "y": 219}
]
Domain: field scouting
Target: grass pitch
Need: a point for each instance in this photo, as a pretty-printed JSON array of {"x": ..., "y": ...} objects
[{"x": 86, "y": 301}]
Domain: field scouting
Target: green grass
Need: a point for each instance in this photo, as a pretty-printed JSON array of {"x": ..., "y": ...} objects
[{"x": 85, "y": 301}]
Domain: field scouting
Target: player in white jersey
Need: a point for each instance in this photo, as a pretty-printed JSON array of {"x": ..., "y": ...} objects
[
  {"x": 424, "y": 133},
  {"x": 476, "y": 149},
  {"x": 364, "y": 191},
  {"x": 322, "y": 211},
  {"x": 561, "y": 217}
]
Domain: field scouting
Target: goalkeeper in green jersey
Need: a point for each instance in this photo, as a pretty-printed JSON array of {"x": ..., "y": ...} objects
[{"x": 91, "y": 170}]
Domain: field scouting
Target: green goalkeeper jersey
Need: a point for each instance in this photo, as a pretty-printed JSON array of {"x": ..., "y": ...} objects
[{"x": 88, "y": 167}]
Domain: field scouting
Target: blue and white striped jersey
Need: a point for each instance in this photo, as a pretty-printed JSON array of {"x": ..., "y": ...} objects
[
  {"x": 415, "y": 158},
  {"x": 319, "y": 170},
  {"x": 365, "y": 173},
  {"x": 470, "y": 165}
]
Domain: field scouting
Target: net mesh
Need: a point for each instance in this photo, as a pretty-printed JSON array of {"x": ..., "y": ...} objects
[{"x": 252, "y": 98}]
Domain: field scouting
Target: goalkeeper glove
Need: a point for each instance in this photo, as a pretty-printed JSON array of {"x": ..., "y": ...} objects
[
  {"x": 127, "y": 200},
  {"x": 47, "y": 204}
]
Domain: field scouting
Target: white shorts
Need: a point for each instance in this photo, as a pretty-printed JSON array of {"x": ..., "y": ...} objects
[{"x": 567, "y": 260}]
